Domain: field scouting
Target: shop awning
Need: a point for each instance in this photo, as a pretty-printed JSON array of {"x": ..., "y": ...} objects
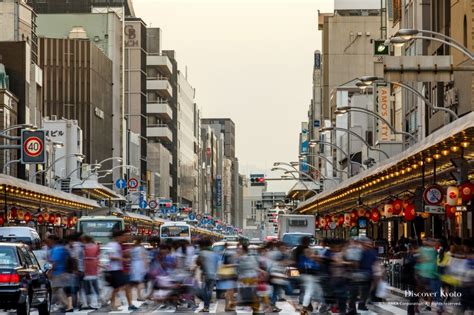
[
  {"x": 99, "y": 191},
  {"x": 302, "y": 189},
  {"x": 442, "y": 145},
  {"x": 137, "y": 216},
  {"x": 26, "y": 190}
]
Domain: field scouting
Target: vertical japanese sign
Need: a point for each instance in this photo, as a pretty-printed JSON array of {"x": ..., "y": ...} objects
[
  {"x": 218, "y": 195},
  {"x": 383, "y": 109}
]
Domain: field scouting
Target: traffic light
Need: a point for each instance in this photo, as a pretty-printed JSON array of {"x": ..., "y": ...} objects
[
  {"x": 380, "y": 49},
  {"x": 257, "y": 180}
]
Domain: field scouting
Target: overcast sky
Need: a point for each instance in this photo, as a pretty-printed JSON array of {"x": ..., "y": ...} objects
[{"x": 249, "y": 60}]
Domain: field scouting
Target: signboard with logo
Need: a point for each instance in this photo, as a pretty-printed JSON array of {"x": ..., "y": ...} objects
[{"x": 383, "y": 108}]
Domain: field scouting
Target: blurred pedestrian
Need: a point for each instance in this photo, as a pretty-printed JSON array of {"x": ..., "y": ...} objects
[
  {"x": 91, "y": 271},
  {"x": 208, "y": 262},
  {"x": 138, "y": 268}
]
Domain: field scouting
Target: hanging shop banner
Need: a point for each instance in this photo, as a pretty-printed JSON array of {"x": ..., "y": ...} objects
[
  {"x": 218, "y": 197},
  {"x": 383, "y": 109}
]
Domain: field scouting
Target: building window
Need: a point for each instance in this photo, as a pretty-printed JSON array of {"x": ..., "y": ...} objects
[{"x": 396, "y": 11}]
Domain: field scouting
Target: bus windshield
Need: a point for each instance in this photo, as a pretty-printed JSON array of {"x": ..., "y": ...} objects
[
  {"x": 100, "y": 230},
  {"x": 175, "y": 231}
]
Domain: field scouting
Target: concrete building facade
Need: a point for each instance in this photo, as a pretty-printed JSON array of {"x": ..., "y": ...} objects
[
  {"x": 78, "y": 81},
  {"x": 104, "y": 28}
]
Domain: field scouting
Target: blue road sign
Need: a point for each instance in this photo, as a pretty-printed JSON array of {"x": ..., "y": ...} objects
[
  {"x": 143, "y": 204},
  {"x": 203, "y": 222},
  {"x": 218, "y": 227},
  {"x": 173, "y": 209},
  {"x": 191, "y": 217},
  {"x": 121, "y": 183},
  {"x": 164, "y": 210}
]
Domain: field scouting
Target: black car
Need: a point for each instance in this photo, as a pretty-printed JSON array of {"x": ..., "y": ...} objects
[{"x": 23, "y": 284}]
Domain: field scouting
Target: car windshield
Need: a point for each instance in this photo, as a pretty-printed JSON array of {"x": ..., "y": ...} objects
[
  {"x": 292, "y": 240},
  {"x": 8, "y": 257},
  {"x": 174, "y": 231},
  {"x": 15, "y": 239}
]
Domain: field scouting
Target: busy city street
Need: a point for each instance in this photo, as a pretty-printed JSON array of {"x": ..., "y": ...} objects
[{"x": 291, "y": 157}]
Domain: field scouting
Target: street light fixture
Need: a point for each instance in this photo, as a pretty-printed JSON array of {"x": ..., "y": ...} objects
[
  {"x": 405, "y": 35},
  {"x": 357, "y": 136},
  {"x": 324, "y": 158},
  {"x": 345, "y": 109},
  {"x": 78, "y": 155},
  {"x": 369, "y": 80},
  {"x": 338, "y": 148}
]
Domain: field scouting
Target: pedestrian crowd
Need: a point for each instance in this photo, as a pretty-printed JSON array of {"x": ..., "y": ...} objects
[{"x": 336, "y": 275}]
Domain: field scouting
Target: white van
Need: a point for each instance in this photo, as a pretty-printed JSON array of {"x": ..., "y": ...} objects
[{"x": 20, "y": 234}]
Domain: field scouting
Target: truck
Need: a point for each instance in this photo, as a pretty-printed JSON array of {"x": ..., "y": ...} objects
[{"x": 293, "y": 227}]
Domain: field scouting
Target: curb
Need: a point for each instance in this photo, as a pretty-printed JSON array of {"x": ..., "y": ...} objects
[{"x": 396, "y": 291}]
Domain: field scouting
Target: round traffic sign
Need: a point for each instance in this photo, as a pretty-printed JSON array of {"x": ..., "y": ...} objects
[
  {"x": 153, "y": 204},
  {"x": 191, "y": 217},
  {"x": 132, "y": 183},
  {"x": 33, "y": 146}
]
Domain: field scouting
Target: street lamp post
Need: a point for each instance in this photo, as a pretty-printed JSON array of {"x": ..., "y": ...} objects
[
  {"x": 8, "y": 163},
  {"x": 405, "y": 35},
  {"x": 324, "y": 158},
  {"x": 344, "y": 109},
  {"x": 369, "y": 80},
  {"x": 358, "y": 137},
  {"x": 350, "y": 162},
  {"x": 78, "y": 155}
]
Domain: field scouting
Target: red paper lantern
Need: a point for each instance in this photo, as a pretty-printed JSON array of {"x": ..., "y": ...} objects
[
  {"x": 340, "y": 220},
  {"x": 452, "y": 195},
  {"x": 317, "y": 222},
  {"x": 2, "y": 220},
  {"x": 466, "y": 191},
  {"x": 375, "y": 215},
  {"x": 69, "y": 222},
  {"x": 397, "y": 206},
  {"x": 361, "y": 212},
  {"x": 410, "y": 213},
  {"x": 354, "y": 215},
  {"x": 52, "y": 218},
  {"x": 40, "y": 219},
  {"x": 27, "y": 217},
  {"x": 14, "y": 212},
  {"x": 368, "y": 214},
  {"x": 450, "y": 211}
]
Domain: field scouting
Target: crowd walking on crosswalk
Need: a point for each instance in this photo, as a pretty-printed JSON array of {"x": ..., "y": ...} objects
[{"x": 336, "y": 275}]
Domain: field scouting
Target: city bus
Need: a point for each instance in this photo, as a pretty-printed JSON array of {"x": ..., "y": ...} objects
[
  {"x": 172, "y": 231},
  {"x": 100, "y": 227}
]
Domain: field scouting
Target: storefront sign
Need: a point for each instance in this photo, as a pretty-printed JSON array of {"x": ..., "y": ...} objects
[
  {"x": 461, "y": 209},
  {"x": 434, "y": 209},
  {"x": 332, "y": 225},
  {"x": 383, "y": 104}
]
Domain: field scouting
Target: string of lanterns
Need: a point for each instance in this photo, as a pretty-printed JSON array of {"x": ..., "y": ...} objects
[
  {"x": 455, "y": 196},
  {"x": 19, "y": 215}
]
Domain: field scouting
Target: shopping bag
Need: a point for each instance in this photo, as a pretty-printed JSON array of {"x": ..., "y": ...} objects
[{"x": 382, "y": 290}]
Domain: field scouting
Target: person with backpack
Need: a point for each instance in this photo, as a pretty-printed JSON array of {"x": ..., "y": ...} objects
[{"x": 309, "y": 268}]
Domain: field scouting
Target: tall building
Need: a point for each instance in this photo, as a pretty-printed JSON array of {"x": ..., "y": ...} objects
[
  {"x": 18, "y": 53},
  {"x": 78, "y": 80},
  {"x": 226, "y": 128},
  {"x": 184, "y": 147},
  {"x": 8, "y": 118},
  {"x": 210, "y": 200},
  {"x": 160, "y": 115},
  {"x": 104, "y": 28},
  {"x": 136, "y": 97}
]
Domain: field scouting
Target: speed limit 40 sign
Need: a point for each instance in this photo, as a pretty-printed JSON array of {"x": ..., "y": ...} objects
[{"x": 32, "y": 147}]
